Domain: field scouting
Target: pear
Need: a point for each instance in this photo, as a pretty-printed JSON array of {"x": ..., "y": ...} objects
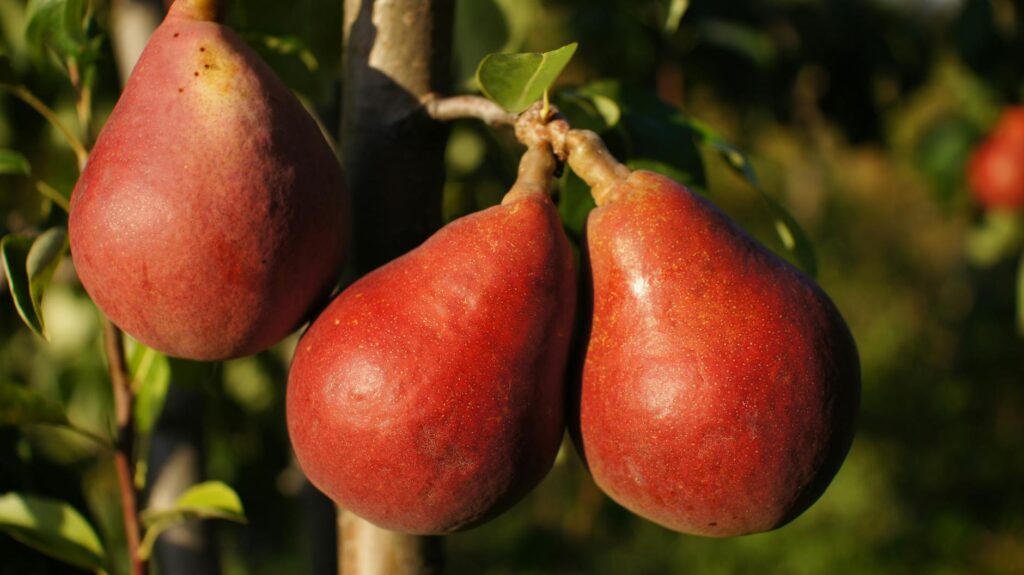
[
  {"x": 211, "y": 217},
  {"x": 995, "y": 170},
  {"x": 429, "y": 396},
  {"x": 718, "y": 384}
]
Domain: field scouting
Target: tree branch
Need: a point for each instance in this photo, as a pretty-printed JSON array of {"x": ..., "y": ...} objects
[
  {"x": 476, "y": 107},
  {"x": 124, "y": 444}
]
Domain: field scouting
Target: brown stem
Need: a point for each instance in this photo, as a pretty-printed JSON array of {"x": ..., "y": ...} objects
[
  {"x": 475, "y": 107},
  {"x": 541, "y": 123},
  {"x": 592, "y": 161},
  {"x": 582, "y": 149},
  {"x": 204, "y": 10},
  {"x": 124, "y": 445}
]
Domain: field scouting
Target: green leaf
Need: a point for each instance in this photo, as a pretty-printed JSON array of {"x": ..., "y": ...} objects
[
  {"x": 52, "y": 527},
  {"x": 30, "y": 264},
  {"x": 12, "y": 162},
  {"x": 996, "y": 238},
  {"x": 582, "y": 113},
  {"x": 151, "y": 377},
  {"x": 74, "y": 20},
  {"x": 208, "y": 500},
  {"x": 647, "y": 130},
  {"x": 515, "y": 81},
  {"x": 481, "y": 27},
  {"x": 789, "y": 231},
  {"x": 14, "y": 251},
  {"x": 676, "y": 9},
  {"x": 212, "y": 499},
  {"x": 44, "y": 27},
  {"x": 574, "y": 203},
  {"x": 22, "y": 406}
]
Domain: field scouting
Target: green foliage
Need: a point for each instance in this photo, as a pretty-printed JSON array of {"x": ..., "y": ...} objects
[
  {"x": 61, "y": 27},
  {"x": 53, "y": 527},
  {"x": 674, "y": 15},
  {"x": 29, "y": 264},
  {"x": 645, "y": 131},
  {"x": 209, "y": 500},
  {"x": 151, "y": 378},
  {"x": 788, "y": 229},
  {"x": 515, "y": 81},
  {"x": 21, "y": 406},
  {"x": 12, "y": 162},
  {"x": 574, "y": 204},
  {"x": 997, "y": 237}
]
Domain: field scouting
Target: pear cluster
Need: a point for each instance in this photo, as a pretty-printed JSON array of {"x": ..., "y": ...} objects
[
  {"x": 713, "y": 387},
  {"x": 710, "y": 386}
]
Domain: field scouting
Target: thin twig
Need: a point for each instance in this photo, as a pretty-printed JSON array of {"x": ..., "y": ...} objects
[
  {"x": 459, "y": 107},
  {"x": 95, "y": 437},
  {"x": 125, "y": 443},
  {"x": 83, "y": 102},
  {"x": 24, "y": 95},
  {"x": 51, "y": 193}
]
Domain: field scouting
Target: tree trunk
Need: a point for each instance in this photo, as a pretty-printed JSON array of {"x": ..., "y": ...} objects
[{"x": 396, "y": 52}]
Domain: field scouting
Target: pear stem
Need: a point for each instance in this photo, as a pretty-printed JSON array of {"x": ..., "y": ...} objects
[
  {"x": 202, "y": 10},
  {"x": 536, "y": 170},
  {"x": 582, "y": 149},
  {"x": 592, "y": 161}
]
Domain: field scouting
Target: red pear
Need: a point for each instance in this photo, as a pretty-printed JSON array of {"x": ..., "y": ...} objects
[
  {"x": 428, "y": 397},
  {"x": 211, "y": 217},
  {"x": 995, "y": 171},
  {"x": 719, "y": 384}
]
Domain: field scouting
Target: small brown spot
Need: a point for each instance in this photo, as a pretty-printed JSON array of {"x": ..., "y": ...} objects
[
  {"x": 195, "y": 73},
  {"x": 180, "y": 90},
  {"x": 207, "y": 66},
  {"x": 176, "y": 34},
  {"x": 202, "y": 48}
]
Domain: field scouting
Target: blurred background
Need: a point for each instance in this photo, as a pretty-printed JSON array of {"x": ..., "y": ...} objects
[{"x": 859, "y": 116}]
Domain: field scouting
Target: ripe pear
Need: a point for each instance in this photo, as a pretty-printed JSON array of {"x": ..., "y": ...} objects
[
  {"x": 995, "y": 170},
  {"x": 429, "y": 396},
  {"x": 211, "y": 216},
  {"x": 719, "y": 384}
]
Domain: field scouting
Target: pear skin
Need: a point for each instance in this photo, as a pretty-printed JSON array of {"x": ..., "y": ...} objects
[
  {"x": 211, "y": 217},
  {"x": 429, "y": 396},
  {"x": 719, "y": 385}
]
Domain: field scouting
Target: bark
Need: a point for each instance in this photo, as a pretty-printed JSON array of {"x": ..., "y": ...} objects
[{"x": 396, "y": 53}]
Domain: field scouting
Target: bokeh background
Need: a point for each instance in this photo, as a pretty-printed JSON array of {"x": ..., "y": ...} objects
[{"x": 858, "y": 115}]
